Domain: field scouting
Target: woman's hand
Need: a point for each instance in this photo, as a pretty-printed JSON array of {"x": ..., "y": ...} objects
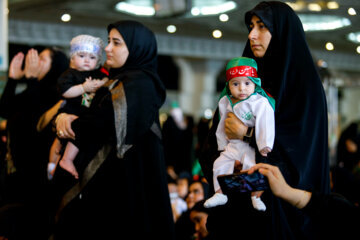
[
  {"x": 296, "y": 197},
  {"x": 63, "y": 125},
  {"x": 32, "y": 64},
  {"x": 234, "y": 127},
  {"x": 15, "y": 70}
]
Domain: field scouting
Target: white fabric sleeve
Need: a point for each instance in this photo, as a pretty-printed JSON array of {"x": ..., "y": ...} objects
[
  {"x": 221, "y": 138},
  {"x": 264, "y": 124}
]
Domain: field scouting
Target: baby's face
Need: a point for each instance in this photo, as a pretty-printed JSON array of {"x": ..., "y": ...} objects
[
  {"x": 241, "y": 87},
  {"x": 83, "y": 61}
]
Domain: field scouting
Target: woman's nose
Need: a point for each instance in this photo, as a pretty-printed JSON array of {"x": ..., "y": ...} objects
[
  {"x": 107, "y": 48},
  {"x": 252, "y": 34}
]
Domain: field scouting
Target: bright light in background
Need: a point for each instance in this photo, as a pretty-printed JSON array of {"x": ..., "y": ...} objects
[
  {"x": 332, "y": 5},
  {"x": 351, "y": 12},
  {"x": 66, "y": 17},
  {"x": 224, "y": 17},
  {"x": 171, "y": 28},
  {"x": 195, "y": 11},
  {"x": 218, "y": 8},
  {"x": 208, "y": 113},
  {"x": 217, "y": 34},
  {"x": 354, "y": 37},
  {"x": 199, "y": 7},
  {"x": 358, "y": 49},
  {"x": 329, "y": 46},
  {"x": 296, "y": 6},
  {"x": 135, "y": 9},
  {"x": 314, "y": 22},
  {"x": 314, "y": 7}
]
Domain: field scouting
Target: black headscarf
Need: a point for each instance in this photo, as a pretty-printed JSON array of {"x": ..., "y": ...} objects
[
  {"x": 142, "y": 46},
  {"x": 289, "y": 74}
]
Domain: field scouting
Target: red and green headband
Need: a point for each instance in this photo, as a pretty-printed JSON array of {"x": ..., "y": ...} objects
[{"x": 241, "y": 67}]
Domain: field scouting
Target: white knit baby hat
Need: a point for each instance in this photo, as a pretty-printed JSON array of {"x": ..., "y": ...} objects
[{"x": 87, "y": 43}]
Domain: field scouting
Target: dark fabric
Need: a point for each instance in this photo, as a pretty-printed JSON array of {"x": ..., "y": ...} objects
[
  {"x": 184, "y": 227},
  {"x": 28, "y": 186},
  {"x": 30, "y": 149},
  {"x": 337, "y": 217},
  {"x": 128, "y": 196},
  {"x": 300, "y": 149},
  {"x": 70, "y": 78},
  {"x": 178, "y": 145}
]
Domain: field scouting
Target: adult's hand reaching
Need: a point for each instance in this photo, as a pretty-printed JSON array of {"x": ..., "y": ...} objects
[
  {"x": 15, "y": 68},
  {"x": 234, "y": 127},
  {"x": 296, "y": 197}
]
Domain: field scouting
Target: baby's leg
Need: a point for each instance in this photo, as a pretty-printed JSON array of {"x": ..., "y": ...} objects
[
  {"x": 222, "y": 165},
  {"x": 54, "y": 158},
  {"x": 55, "y": 151},
  {"x": 67, "y": 161},
  {"x": 256, "y": 201}
]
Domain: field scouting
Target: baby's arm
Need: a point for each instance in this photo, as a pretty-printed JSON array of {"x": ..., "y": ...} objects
[
  {"x": 264, "y": 126},
  {"x": 89, "y": 86}
]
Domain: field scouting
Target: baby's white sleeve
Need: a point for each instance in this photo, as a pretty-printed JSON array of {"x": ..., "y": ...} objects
[
  {"x": 264, "y": 124},
  {"x": 221, "y": 138}
]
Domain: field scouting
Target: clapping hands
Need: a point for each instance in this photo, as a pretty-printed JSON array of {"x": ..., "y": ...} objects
[{"x": 32, "y": 68}]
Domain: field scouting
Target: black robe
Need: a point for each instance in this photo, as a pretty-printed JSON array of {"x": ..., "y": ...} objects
[
  {"x": 122, "y": 190},
  {"x": 300, "y": 149},
  {"x": 27, "y": 147},
  {"x": 26, "y": 188},
  {"x": 178, "y": 145}
]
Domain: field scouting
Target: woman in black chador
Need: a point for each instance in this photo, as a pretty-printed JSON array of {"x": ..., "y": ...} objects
[
  {"x": 122, "y": 187},
  {"x": 277, "y": 42}
]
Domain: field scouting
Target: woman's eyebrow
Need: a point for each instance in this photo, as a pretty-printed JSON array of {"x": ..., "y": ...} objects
[{"x": 114, "y": 39}]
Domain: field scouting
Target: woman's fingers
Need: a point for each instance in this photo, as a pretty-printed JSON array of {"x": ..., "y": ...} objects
[
  {"x": 63, "y": 125},
  {"x": 32, "y": 64},
  {"x": 15, "y": 68}
]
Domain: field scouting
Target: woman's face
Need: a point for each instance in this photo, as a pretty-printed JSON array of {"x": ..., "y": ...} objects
[
  {"x": 259, "y": 37},
  {"x": 116, "y": 50},
  {"x": 196, "y": 194},
  {"x": 200, "y": 220},
  {"x": 45, "y": 61}
]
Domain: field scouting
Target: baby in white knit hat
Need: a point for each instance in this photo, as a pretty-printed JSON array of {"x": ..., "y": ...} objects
[{"x": 77, "y": 86}]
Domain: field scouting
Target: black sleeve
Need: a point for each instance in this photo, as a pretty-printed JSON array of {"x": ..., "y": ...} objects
[
  {"x": 334, "y": 214},
  {"x": 209, "y": 151},
  {"x": 66, "y": 81},
  {"x": 10, "y": 101}
]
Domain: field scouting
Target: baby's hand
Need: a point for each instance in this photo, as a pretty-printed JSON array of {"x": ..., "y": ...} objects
[
  {"x": 90, "y": 85},
  {"x": 265, "y": 151}
]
